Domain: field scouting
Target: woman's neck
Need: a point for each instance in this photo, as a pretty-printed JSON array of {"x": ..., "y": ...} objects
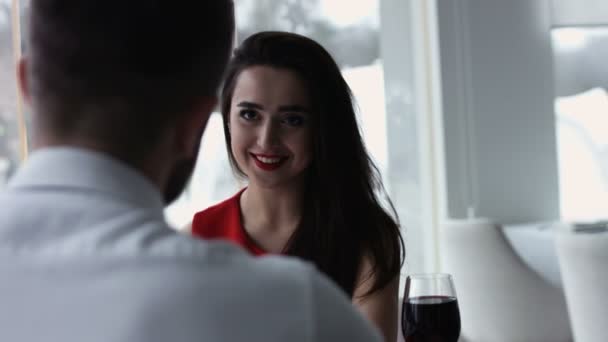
[{"x": 271, "y": 215}]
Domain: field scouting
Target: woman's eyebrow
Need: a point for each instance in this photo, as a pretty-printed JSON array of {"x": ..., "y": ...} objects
[
  {"x": 250, "y": 105},
  {"x": 286, "y": 108}
]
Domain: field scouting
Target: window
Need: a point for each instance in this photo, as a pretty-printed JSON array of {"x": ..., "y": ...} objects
[
  {"x": 10, "y": 143},
  {"x": 581, "y": 113}
]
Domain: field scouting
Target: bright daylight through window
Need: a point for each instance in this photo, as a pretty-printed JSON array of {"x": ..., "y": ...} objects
[{"x": 581, "y": 112}]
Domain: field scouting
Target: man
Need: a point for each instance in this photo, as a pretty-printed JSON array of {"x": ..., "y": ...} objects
[{"x": 121, "y": 92}]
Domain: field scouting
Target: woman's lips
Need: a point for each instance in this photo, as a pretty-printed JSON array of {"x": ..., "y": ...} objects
[{"x": 268, "y": 162}]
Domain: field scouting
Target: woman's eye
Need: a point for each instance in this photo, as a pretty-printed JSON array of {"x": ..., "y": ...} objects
[
  {"x": 294, "y": 120},
  {"x": 248, "y": 114}
]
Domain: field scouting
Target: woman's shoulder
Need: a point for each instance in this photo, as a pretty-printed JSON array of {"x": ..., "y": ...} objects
[{"x": 219, "y": 216}]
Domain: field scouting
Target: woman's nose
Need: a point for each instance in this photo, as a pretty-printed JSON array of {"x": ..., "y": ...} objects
[{"x": 268, "y": 136}]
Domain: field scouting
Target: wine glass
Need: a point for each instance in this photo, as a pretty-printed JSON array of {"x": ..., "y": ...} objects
[{"x": 430, "y": 310}]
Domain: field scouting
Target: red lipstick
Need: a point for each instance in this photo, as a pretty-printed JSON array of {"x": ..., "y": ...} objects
[{"x": 268, "y": 166}]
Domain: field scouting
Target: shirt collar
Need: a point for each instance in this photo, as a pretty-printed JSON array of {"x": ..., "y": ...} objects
[{"x": 85, "y": 169}]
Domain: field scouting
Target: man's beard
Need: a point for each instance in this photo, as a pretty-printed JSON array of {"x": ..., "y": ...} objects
[
  {"x": 178, "y": 179},
  {"x": 181, "y": 173}
]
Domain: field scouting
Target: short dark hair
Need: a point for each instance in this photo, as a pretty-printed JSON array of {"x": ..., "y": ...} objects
[
  {"x": 343, "y": 219},
  {"x": 119, "y": 71}
]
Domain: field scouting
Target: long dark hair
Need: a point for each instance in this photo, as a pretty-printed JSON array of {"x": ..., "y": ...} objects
[{"x": 343, "y": 220}]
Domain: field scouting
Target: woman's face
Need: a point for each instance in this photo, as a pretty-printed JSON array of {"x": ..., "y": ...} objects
[{"x": 270, "y": 126}]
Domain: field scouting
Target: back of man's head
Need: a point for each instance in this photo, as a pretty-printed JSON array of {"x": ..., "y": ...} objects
[{"x": 117, "y": 72}]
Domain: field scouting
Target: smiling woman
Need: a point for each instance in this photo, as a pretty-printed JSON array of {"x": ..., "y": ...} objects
[
  {"x": 291, "y": 131},
  {"x": 269, "y": 125},
  {"x": 351, "y": 35}
]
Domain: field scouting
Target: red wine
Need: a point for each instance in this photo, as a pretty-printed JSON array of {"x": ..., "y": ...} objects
[{"x": 430, "y": 319}]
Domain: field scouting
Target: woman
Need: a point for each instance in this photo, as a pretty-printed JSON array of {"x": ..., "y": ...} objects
[{"x": 291, "y": 131}]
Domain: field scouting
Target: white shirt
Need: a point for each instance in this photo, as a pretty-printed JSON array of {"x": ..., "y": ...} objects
[{"x": 85, "y": 255}]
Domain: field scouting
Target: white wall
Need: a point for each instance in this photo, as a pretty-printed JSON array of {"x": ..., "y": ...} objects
[
  {"x": 579, "y": 12},
  {"x": 497, "y": 84}
]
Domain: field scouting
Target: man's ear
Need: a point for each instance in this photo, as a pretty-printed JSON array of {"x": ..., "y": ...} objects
[
  {"x": 22, "y": 78},
  {"x": 192, "y": 125}
]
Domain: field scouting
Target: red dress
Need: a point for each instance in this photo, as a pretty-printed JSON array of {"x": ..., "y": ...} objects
[{"x": 223, "y": 221}]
